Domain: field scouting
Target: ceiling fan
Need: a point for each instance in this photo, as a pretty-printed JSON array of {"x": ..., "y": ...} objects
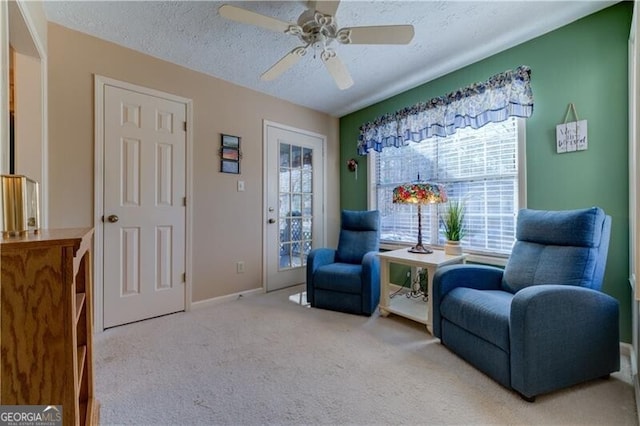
[{"x": 317, "y": 29}]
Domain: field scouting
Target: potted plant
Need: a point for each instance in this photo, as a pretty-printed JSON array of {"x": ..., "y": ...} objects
[{"x": 454, "y": 228}]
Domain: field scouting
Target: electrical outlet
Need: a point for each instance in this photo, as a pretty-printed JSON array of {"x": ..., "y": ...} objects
[{"x": 240, "y": 267}]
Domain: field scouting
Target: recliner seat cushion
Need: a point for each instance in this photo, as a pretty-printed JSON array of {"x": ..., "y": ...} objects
[
  {"x": 340, "y": 277},
  {"x": 485, "y": 313}
]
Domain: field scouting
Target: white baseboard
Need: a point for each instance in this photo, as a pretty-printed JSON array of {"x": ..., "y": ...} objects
[
  {"x": 636, "y": 388},
  {"x": 221, "y": 299},
  {"x": 627, "y": 349}
]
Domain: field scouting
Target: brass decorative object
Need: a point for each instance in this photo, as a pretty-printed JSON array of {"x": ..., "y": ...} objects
[{"x": 20, "y": 205}]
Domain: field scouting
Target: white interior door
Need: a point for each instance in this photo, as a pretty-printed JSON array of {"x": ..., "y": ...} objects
[
  {"x": 294, "y": 202},
  {"x": 144, "y": 208}
]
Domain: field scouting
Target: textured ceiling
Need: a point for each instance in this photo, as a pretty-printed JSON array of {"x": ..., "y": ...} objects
[{"x": 448, "y": 36}]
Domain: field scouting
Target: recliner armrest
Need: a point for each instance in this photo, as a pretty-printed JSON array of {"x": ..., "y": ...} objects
[
  {"x": 371, "y": 263},
  {"x": 573, "y": 329},
  {"x": 317, "y": 258},
  {"x": 559, "y": 306},
  {"x": 370, "y": 282},
  {"x": 480, "y": 277},
  {"x": 321, "y": 256}
]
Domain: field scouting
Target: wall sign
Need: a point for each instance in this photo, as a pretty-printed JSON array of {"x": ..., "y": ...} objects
[{"x": 571, "y": 136}]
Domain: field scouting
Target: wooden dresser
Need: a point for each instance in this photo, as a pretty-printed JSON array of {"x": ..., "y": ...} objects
[{"x": 46, "y": 322}]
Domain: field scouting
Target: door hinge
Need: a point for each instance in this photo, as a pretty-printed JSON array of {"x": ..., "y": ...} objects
[
  {"x": 184, "y": 126},
  {"x": 184, "y": 201},
  {"x": 184, "y": 277}
]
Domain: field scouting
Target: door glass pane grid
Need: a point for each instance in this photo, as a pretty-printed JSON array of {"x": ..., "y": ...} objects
[{"x": 295, "y": 217}]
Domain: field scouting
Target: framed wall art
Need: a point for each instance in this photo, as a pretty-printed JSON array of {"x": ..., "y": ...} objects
[{"x": 230, "y": 154}]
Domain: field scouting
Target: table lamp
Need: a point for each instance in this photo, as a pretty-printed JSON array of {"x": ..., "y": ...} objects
[{"x": 419, "y": 193}]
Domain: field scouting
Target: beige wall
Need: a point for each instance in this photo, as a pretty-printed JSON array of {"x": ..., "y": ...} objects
[
  {"x": 227, "y": 224},
  {"x": 28, "y": 118}
]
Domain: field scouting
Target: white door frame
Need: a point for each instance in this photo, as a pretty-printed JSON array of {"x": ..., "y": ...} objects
[
  {"x": 265, "y": 214},
  {"x": 99, "y": 84},
  {"x": 18, "y": 27}
]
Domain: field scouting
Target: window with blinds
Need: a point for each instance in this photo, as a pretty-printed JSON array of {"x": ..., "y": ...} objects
[{"x": 477, "y": 166}]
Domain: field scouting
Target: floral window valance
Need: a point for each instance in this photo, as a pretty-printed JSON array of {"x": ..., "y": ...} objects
[{"x": 502, "y": 96}]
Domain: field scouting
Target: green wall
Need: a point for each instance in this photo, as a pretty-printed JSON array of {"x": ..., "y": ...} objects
[{"x": 585, "y": 63}]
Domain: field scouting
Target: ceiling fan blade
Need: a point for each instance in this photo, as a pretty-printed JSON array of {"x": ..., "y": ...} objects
[
  {"x": 289, "y": 60},
  {"x": 337, "y": 70},
  {"x": 381, "y": 34},
  {"x": 248, "y": 17},
  {"x": 326, "y": 7}
]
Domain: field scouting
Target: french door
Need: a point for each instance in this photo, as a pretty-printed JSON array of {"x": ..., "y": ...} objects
[{"x": 294, "y": 202}]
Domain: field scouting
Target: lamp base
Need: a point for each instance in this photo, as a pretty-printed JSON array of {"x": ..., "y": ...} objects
[{"x": 419, "y": 248}]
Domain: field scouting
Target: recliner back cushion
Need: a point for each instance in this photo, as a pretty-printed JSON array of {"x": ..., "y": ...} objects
[
  {"x": 581, "y": 227},
  {"x": 359, "y": 234},
  {"x": 554, "y": 247}
]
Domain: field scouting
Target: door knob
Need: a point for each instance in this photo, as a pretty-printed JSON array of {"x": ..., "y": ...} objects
[
  {"x": 272, "y": 221},
  {"x": 113, "y": 218}
]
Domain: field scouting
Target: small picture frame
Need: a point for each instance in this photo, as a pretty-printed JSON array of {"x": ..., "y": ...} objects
[{"x": 230, "y": 154}]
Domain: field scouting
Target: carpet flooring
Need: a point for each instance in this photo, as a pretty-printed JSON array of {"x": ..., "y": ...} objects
[{"x": 268, "y": 360}]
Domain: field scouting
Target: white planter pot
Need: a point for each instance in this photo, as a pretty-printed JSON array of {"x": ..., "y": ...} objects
[{"x": 453, "y": 248}]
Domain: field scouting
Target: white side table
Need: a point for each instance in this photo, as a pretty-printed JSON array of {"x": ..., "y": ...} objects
[{"x": 414, "y": 309}]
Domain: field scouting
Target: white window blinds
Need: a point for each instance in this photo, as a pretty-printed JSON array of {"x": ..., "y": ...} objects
[{"x": 478, "y": 166}]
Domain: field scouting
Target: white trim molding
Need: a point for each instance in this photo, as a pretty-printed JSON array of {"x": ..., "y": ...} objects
[{"x": 265, "y": 190}]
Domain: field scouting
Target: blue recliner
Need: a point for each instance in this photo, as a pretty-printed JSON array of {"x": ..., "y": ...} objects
[
  {"x": 542, "y": 323},
  {"x": 348, "y": 279}
]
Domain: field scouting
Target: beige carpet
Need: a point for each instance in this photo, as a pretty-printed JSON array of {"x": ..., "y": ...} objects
[{"x": 266, "y": 360}]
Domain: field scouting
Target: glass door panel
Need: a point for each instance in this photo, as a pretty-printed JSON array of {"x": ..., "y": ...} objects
[{"x": 295, "y": 219}]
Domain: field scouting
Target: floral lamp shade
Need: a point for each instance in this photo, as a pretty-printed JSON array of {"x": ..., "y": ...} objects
[{"x": 419, "y": 193}]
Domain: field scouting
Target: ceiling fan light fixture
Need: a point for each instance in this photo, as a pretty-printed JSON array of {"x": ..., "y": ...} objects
[{"x": 317, "y": 28}]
